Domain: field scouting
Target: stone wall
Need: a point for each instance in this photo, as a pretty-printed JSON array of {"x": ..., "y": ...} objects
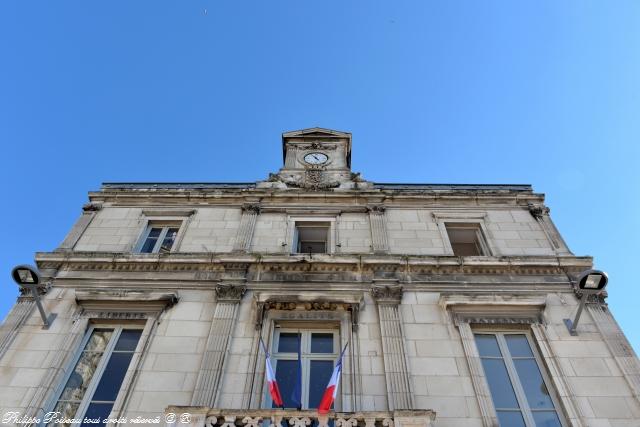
[
  {"x": 583, "y": 367},
  {"x": 408, "y": 231}
]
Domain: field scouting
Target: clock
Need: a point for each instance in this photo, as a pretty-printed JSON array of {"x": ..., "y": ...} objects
[{"x": 316, "y": 158}]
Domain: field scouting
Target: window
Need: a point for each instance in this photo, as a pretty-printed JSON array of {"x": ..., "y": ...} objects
[
  {"x": 466, "y": 239},
  {"x": 319, "y": 350},
  {"x": 159, "y": 237},
  {"x": 93, "y": 384},
  {"x": 516, "y": 381},
  {"x": 311, "y": 237}
]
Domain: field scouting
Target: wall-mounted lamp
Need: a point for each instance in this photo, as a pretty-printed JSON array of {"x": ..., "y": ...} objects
[
  {"x": 590, "y": 282},
  {"x": 27, "y": 277}
]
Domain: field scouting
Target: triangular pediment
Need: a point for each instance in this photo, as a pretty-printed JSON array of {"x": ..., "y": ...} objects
[{"x": 316, "y": 132}]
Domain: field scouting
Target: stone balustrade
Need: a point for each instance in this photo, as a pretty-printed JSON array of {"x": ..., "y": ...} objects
[{"x": 197, "y": 416}]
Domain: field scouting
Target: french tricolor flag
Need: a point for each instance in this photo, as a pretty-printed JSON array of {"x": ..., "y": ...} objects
[
  {"x": 332, "y": 388},
  {"x": 274, "y": 390}
]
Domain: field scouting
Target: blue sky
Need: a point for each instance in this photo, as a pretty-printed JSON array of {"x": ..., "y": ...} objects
[{"x": 539, "y": 92}]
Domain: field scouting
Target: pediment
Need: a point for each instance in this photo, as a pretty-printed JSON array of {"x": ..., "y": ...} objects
[{"x": 316, "y": 132}]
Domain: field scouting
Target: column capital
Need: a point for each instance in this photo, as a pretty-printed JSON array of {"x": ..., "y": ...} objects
[
  {"x": 376, "y": 209},
  {"x": 251, "y": 208},
  {"x": 229, "y": 292},
  {"x": 538, "y": 210},
  {"x": 387, "y": 294}
]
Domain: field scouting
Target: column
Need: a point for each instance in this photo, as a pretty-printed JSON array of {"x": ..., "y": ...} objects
[
  {"x": 618, "y": 345},
  {"x": 480, "y": 386},
  {"x": 89, "y": 211},
  {"x": 395, "y": 360},
  {"x": 210, "y": 374},
  {"x": 379, "y": 241},
  {"x": 247, "y": 224},
  {"x": 15, "y": 319},
  {"x": 290, "y": 158}
]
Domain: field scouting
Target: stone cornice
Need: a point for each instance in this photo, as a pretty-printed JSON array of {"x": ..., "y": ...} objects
[
  {"x": 138, "y": 300},
  {"x": 220, "y": 266},
  {"x": 408, "y": 195}
]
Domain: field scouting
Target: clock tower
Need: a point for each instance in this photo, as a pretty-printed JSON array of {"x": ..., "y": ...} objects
[{"x": 316, "y": 159}]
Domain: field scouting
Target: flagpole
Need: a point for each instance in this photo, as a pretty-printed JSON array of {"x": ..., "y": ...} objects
[{"x": 264, "y": 348}]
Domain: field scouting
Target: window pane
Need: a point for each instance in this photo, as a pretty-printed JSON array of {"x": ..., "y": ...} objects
[
  {"x": 81, "y": 376},
  {"x": 533, "y": 385},
  {"x": 99, "y": 340},
  {"x": 487, "y": 345},
  {"x": 546, "y": 419},
  {"x": 322, "y": 343},
  {"x": 97, "y": 411},
  {"x": 66, "y": 410},
  {"x": 465, "y": 249},
  {"x": 151, "y": 240},
  {"x": 288, "y": 343},
  {"x": 112, "y": 377},
  {"x": 86, "y": 366},
  {"x": 499, "y": 384},
  {"x": 287, "y": 376},
  {"x": 518, "y": 345},
  {"x": 128, "y": 340},
  {"x": 319, "y": 376},
  {"x": 168, "y": 240},
  {"x": 312, "y": 247},
  {"x": 510, "y": 419}
]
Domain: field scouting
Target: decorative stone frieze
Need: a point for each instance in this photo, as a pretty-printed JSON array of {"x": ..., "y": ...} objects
[{"x": 204, "y": 417}]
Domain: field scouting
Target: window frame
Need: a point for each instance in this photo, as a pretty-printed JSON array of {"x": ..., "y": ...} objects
[
  {"x": 467, "y": 218},
  {"x": 100, "y": 368},
  {"x": 514, "y": 378},
  {"x": 293, "y": 238},
  {"x": 481, "y": 241},
  {"x": 306, "y": 328},
  {"x": 165, "y": 224}
]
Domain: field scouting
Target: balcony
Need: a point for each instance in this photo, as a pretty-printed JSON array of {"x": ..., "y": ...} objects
[{"x": 195, "y": 416}]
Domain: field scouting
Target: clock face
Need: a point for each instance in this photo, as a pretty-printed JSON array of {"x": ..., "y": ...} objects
[{"x": 316, "y": 158}]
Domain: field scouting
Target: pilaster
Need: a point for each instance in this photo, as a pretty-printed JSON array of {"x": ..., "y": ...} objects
[
  {"x": 89, "y": 211},
  {"x": 395, "y": 360},
  {"x": 67, "y": 345},
  {"x": 541, "y": 213},
  {"x": 377, "y": 219},
  {"x": 210, "y": 374},
  {"x": 618, "y": 345},
  {"x": 480, "y": 386},
  {"x": 15, "y": 319},
  {"x": 247, "y": 225}
]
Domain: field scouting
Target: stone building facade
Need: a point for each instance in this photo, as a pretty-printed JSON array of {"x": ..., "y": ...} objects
[{"x": 450, "y": 300}]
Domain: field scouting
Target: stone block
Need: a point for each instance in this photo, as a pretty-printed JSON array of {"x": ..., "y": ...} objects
[
  {"x": 177, "y": 362},
  {"x": 610, "y": 407},
  {"x": 434, "y": 366},
  {"x": 157, "y": 380},
  {"x": 427, "y": 314},
  {"x": 590, "y": 367}
]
